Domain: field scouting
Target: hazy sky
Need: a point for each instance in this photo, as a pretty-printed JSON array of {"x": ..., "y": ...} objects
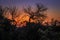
[{"x": 52, "y": 5}]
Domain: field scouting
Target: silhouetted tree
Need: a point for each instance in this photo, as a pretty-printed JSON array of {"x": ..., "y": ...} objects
[
  {"x": 54, "y": 22},
  {"x": 39, "y": 13},
  {"x": 13, "y": 12}
]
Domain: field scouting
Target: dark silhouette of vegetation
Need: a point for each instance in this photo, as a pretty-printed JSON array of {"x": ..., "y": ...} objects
[
  {"x": 38, "y": 14},
  {"x": 32, "y": 31}
]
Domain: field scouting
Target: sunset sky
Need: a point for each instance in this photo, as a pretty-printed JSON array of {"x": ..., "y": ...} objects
[{"x": 52, "y": 5}]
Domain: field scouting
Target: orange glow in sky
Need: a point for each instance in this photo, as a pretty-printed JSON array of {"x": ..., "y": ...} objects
[{"x": 22, "y": 17}]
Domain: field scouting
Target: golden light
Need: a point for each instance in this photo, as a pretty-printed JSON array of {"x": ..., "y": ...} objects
[{"x": 21, "y": 20}]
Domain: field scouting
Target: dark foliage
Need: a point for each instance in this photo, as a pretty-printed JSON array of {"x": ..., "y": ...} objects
[{"x": 32, "y": 31}]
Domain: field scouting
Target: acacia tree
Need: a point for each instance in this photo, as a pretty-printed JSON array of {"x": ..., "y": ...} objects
[
  {"x": 38, "y": 14},
  {"x": 13, "y": 12}
]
